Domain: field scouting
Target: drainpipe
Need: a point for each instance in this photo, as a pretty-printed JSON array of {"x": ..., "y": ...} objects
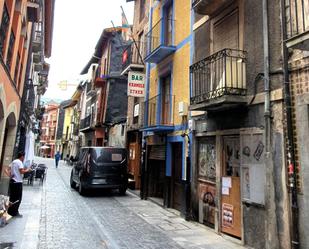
[
  {"x": 145, "y": 152},
  {"x": 295, "y": 244},
  {"x": 271, "y": 221}
]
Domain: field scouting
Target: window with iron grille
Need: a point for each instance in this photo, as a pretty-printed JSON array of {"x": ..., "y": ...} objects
[
  {"x": 16, "y": 68},
  {"x": 5, "y": 22},
  {"x": 10, "y": 51}
]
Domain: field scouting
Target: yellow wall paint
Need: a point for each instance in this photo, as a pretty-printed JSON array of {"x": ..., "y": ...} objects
[
  {"x": 67, "y": 120},
  {"x": 180, "y": 59},
  {"x": 181, "y": 84},
  {"x": 182, "y": 16}
]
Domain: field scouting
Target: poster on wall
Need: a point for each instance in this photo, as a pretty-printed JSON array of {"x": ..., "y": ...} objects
[
  {"x": 136, "y": 84},
  {"x": 207, "y": 204},
  {"x": 227, "y": 215}
]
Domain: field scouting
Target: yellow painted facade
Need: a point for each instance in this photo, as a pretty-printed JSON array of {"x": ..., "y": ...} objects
[
  {"x": 67, "y": 120},
  {"x": 178, "y": 61}
]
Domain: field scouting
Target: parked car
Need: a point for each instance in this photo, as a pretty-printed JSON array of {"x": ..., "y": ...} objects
[{"x": 100, "y": 168}]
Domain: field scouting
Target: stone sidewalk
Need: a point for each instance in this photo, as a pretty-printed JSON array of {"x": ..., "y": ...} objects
[
  {"x": 118, "y": 221},
  {"x": 23, "y": 232},
  {"x": 185, "y": 233}
]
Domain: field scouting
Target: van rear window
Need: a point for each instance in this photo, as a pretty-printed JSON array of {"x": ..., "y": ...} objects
[{"x": 108, "y": 155}]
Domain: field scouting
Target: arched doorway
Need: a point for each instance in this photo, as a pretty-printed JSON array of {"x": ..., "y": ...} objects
[{"x": 9, "y": 134}]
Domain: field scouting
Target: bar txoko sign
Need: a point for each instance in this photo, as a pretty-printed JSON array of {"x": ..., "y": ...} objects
[{"x": 136, "y": 84}]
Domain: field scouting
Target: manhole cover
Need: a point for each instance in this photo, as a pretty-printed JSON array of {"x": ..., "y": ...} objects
[{"x": 6, "y": 245}]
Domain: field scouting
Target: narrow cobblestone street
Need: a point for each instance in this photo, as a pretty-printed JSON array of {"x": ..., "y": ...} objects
[{"x": 56, "y": 216}]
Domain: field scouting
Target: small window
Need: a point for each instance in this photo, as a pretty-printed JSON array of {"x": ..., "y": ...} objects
[{"x": 122, "y": 130}]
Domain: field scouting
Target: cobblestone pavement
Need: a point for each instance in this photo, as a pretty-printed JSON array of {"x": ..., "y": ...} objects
[{"x": 105, "y": 220}]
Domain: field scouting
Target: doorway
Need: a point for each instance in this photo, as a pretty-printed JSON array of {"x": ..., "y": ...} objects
[
  {"x": 9, "y": 137},
  {"x": 230, "y": 181},
  {"x": 178, "y": 192}
]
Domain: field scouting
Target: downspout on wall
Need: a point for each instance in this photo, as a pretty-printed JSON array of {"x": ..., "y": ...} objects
[
  {"x": 295, "y": 243},
  {"x": 271, "y": 240}
]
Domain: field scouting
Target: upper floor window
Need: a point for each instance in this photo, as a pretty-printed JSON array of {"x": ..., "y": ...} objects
[
  {"x": 225, "y": 31},
  {"x": 5, "y": 22},
  {"x": 142, "y": 10},
  {"x": 168, "y": 25},
  {"x": 10, "y": 50},
  {"x": 16, "y": 68}
]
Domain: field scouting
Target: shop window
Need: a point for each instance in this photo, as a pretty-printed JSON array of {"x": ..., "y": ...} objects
[
  {"x": 5, "y": 22},
  {"x": 207, "y": 159}
]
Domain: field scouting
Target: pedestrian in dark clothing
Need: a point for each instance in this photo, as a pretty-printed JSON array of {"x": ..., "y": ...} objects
[
  {"x": 57, "y": 158},
  {"x": 16, "y": 169}
]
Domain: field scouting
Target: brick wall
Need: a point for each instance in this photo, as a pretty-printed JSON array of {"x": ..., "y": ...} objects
[{"x": 299, "y": 78}]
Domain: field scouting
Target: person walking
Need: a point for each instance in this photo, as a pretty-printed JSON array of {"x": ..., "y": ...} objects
[
  {"x": 16, "y": 184},
  {"x": 57, "y": 158}
]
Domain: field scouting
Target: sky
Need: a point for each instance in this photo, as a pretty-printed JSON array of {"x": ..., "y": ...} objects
[{"x": 78, "y": 25}]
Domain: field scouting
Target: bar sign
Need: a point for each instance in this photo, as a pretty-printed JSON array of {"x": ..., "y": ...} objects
[{"x": 136, "y": 84}]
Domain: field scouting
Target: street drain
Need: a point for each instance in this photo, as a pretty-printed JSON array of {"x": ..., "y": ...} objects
[{"x": 6, "y": 245}]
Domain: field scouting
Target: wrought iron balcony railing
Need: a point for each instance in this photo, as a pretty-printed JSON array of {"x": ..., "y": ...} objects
[
  {"x": 160, "y": 36},
  {"x": 223, "y": 73},
  {"x": 160, "y": 110},
  {"x": 85, "y": 123},
  {"x": 297, "y": 13},
  {"x": 37, "y": 41},
  {"x": 76, "y": 130}
]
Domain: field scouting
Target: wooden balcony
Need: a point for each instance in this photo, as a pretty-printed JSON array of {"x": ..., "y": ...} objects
[
  {"x": 297, "y": 18},
  {"x": 209, "y": 7},
  {"x": 219, "y": 81},
  {"x": 132, "y": 58},
  {"x": 100, "y": 77}
]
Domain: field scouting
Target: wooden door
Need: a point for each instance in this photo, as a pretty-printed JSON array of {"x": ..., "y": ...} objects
[
  {"x": 134, "y": 163},
  {"x": 177, "y": 188},
  {"x": 230, "y": 183}
]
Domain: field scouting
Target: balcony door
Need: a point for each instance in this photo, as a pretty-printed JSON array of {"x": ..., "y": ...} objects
[
  {"x": 165, "y": 99},
  {"x": 168, "y": 25},
  {"x": 226, "y": 35}
]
